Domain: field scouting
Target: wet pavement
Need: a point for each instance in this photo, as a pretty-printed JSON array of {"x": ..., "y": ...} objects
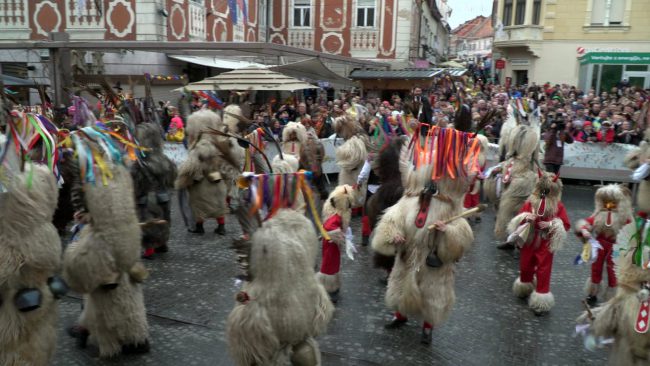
[{"x": 191, "y": 291}]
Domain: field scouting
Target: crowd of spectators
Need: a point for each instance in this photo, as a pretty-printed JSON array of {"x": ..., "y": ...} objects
[{"x": 581, "y": 116}]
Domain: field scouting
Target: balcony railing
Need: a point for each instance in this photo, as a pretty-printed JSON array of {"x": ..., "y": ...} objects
[
  {"x": 13, "y": 14},
  {"x": 197, "y": 20},
  {"x": 301, "y": 38},
  {"x": 85, "y": 15},
  {"x": 519, "y": 34},
  {"x": 364, "y": 40}
]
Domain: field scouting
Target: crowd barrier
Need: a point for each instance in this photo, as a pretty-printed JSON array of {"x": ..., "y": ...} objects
[{"x": 588, "y": 161}]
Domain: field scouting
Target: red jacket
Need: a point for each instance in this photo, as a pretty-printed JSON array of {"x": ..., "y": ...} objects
[
  {"x": 608, "y": 137},
  {"x": 559, "y": 213}
]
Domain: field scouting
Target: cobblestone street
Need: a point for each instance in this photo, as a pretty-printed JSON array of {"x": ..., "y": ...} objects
[{"x": 191, "y": 291}]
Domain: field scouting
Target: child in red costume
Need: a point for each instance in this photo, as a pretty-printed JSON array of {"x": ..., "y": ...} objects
[
  {"x": 613, "y": 211},
  {"x": 540, "y": 229},
  {"x": 336, "y": 213}
]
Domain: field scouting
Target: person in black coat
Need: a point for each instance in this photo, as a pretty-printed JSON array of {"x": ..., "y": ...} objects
[{"x": 419, "y": 106}]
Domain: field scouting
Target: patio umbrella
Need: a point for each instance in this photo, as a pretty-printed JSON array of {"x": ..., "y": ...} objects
[
  {"x": 252, "y": 78},
  {"x": 452, "y": 64}
]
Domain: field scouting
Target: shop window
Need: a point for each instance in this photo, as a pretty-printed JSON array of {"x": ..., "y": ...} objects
[
  {"x": 594, "y": 76},
  {"x": 366, "y": 13},
  {"x": 302, "y": 13},
  {"x": 507, "y": 12},
  {"x": 520, "y": 12},
  {"x": 607, "y": 12},
  {"x": 611, "y": 75},
  {"x": 636, "y": 68},
  {"x": 537, "y": 11}
]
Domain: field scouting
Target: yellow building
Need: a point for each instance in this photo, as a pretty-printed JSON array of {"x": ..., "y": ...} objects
[{"x": 588, "y": 43}]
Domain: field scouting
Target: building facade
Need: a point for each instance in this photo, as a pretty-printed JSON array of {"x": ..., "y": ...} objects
[
  {"x": 472, "y": 40},
  {"x": 588, "y": 43},
  {"x": 399, "y": 32}
]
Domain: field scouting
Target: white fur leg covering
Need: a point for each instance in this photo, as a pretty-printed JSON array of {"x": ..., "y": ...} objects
[
  {"x": 522, "y": 289},
  {"x": 306, "y": 353},
  {"x": 332, "y": 283},
  {"x": 591, "y": 288},
  {"x": 558, "y": 235},
  {"x": 610, "y": 293},
  {"x": 541, "y": 302}
]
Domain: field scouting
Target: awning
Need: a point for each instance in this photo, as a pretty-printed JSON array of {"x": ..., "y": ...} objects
[
  {"x": 405, "y": 73},
  {"x": 315, "y": 71},
  {"x": 249, "y": 79},
  {"x": 216, "y": 62},
  {"x": 8, "y": 80},
  {"x": 616, "y": 58}
]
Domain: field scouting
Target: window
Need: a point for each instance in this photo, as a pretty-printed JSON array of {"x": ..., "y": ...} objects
[
  {"x": 607, "y": 12},
  {"x": 263, "y": 13},
  {"x": 507, "y": 12},
  {"x": 520, "y": 12},
  {"x": 302, "y": 13},
  {"x": 537, "y": 10},
  {"x": 366, "y": 13}
]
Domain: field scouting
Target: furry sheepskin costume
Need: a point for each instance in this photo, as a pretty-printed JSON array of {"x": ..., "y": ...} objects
[
  {"x": 386, "y": 167},
  {"x": 621, "y": 316},
  {"x": 286, "y": 165},
  {"x": 213, "y": 163},
  {"x": 283, "y": 307},
  {"x": 294, "y": 137},
  {"x": 234, "y": 120},
  {"x": 473, "y": 195},
  {"x": 351, "y": 156},
  {"x": 153, "y": 181},
  {"x": 546, "y": 218},
  {"x": 337, "y": 211},
  {"x": 414, "y": 287},
  {"x": 613, "y": 210},
  {"x": 635, "y": 159},
  {"x": 30, "y": 256},
  {"x": 516, "y": 176},
  {"x": 103, "y": 264}
]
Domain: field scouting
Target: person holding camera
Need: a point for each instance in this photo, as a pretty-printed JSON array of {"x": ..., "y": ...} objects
[{"x": 555, "y": 138}]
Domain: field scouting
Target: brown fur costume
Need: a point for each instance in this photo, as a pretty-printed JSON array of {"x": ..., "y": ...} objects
[
  {"x": 597, "y": 224},
  {"x": 103, "y": 264},
  {"x": 351, "y": 156},
  {"x": 283, "y": 307},
  {"x": 389, "y": 192},
  {"x": 212, "y": 164},
  {"x": 153, "y": 180},
  {"x": 30, "y": 252},
  {"x": 414, "y": 288}
]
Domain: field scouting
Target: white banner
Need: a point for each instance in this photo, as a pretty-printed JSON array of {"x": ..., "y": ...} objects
[{"x": 591, "y": 161}]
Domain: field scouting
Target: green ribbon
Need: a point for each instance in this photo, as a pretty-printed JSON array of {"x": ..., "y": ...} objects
[{"x": 638, "y": 237}]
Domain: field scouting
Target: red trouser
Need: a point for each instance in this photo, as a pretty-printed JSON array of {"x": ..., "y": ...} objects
[
  {"x": 597, "y": 266},
  {"x": 331, "y": 263},
  {"x": 536, "y": 261},
  {"x": 471, "y": 200}
]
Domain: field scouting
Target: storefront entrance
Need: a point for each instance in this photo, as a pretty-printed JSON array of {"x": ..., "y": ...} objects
[{"x": 639, "y": 79}]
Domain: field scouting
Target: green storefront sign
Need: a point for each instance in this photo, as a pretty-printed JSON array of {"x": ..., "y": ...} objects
[{"x": 616, "y": 58}]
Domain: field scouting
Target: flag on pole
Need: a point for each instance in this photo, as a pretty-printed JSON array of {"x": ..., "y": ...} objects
[{"x": 232, "y": 4}]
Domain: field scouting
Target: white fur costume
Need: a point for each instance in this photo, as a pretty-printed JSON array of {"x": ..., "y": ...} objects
[
  {"x": 212, "y": 164},
  {"x": 30, "y": 252},
  {"x": 351, "y": 156},
  {"x": 283, "y": 306},
  {"x": 103, "y": 264},
  {"x": 289, "y": 165},
  {"x": 518, "y": 175},
  {"x": 613, "y": 210},
  {"x": 294, "y": 137},
  {"x": 633, "y": 160},
  {"x": 414, "y": 288}
]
